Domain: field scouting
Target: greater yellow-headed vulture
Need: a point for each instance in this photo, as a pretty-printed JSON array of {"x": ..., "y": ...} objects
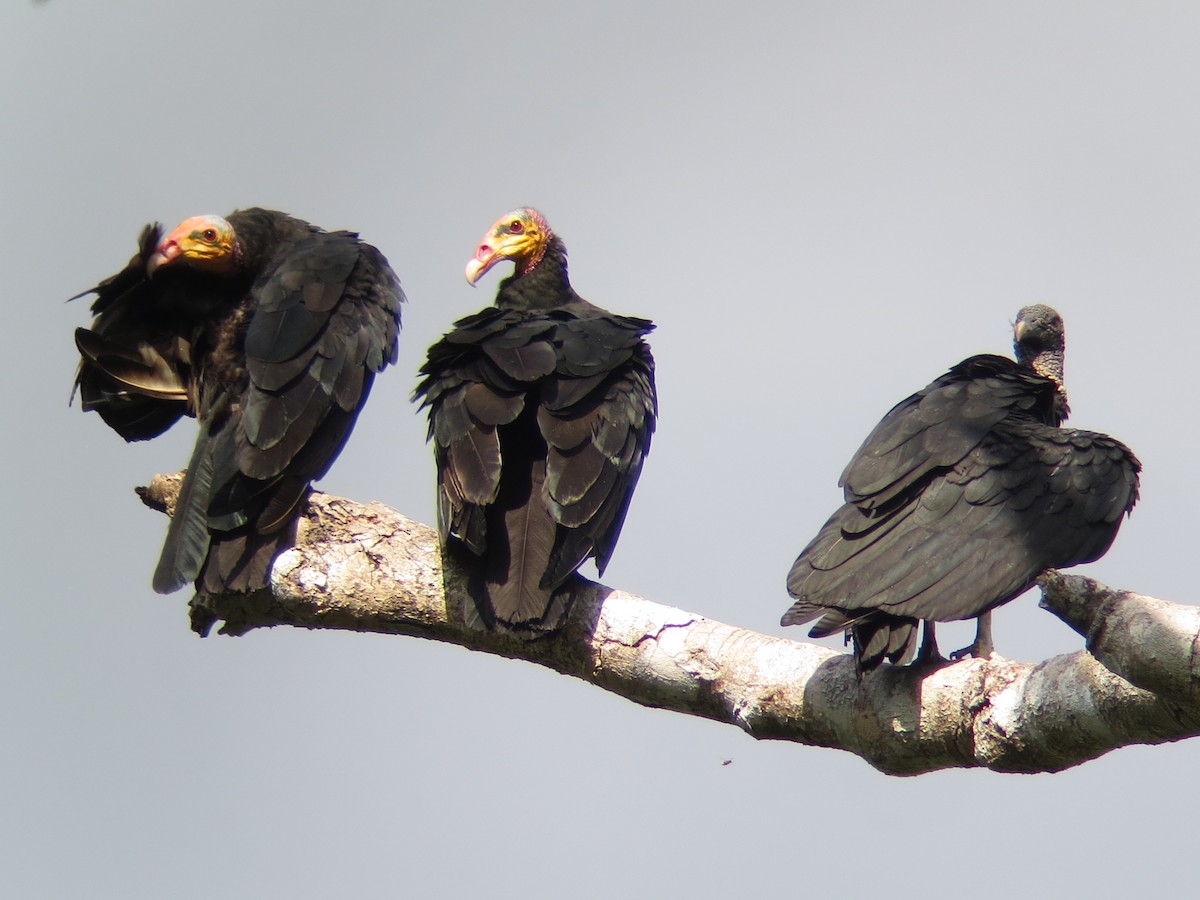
[
  {"x": 270, "y": 332},
  {"x": 541, "y": 410}
]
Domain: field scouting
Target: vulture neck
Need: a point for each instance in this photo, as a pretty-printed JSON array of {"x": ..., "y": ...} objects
[
  {"x": 545, "y": 286},
  {"x": 1049, "y": 365},
  {"x": 261, "y": 233}
]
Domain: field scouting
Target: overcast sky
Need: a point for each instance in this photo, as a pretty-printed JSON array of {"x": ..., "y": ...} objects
[{"x": 822, "y": 205}]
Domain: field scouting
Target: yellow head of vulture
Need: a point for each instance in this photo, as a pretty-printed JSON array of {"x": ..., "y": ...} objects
[
  {"x": 204, "y": 242},
  {"x": 521, "y": 235}
]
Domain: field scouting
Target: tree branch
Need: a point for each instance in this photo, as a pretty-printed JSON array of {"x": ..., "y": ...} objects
[{"x": 368, "y": 568}]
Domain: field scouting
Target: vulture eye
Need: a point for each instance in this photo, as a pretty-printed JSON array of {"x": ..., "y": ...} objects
[
  {"x": 516, "y": 228},
  {"x": 209, "y": 235}
]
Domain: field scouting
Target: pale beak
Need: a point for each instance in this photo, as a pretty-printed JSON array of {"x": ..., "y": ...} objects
[
  {"x": 485, "y": 257},
  {"x": 168, "y": 251}
]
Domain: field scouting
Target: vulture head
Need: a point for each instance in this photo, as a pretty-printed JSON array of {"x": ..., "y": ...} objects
[
  {"x": 203, "y": 242},
  {"x": 1039, "y": 341},
  {"x": 522, "y": 236}
]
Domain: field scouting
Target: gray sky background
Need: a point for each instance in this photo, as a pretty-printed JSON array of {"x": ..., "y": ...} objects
[{"x": 823, "y": 205}]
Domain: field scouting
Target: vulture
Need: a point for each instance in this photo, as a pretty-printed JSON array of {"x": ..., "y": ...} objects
[
  {"x": 541, "y": 410},
  {"x": 962, "y": 495},
  {"x": 269, "y": 331}
]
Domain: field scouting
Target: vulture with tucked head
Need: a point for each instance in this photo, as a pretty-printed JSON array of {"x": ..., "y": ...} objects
[
  {"x": 962, "y": 495},
  {"x": 270, "y": 332},
  {"x": 541, "y": 409}
]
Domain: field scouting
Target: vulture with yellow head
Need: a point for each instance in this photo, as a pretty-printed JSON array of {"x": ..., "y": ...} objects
[
  {"x": 959, "y": 499},
  {"x": 541, "y": 410},
  {"x": 270, "y": 332}
]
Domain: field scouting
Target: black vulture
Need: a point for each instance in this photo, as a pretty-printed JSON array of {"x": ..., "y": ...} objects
[
  {"x": 541, "y": 410},
  {"x": 962, "y": 495},
  {"x": 270, "y": 332}
]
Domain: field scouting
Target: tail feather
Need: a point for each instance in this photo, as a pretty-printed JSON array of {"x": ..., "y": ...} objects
[
  {"x": 187, "y": 540},
  {"x": 878, "y": 637},
  {"x": 241, "y": 562},
  {"x": 521, "y": 538},
  {"x": 552, "y": 611}
]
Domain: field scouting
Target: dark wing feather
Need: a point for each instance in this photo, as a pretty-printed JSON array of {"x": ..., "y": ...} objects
[
  {"x": 141, "y": 369},
  {"x": 597, "y": 445},
  {"x": 541, "y": 422},
  {"x": 473, "y": 465},
  {"x": 1028, "y": 498},
  {"x": 936, "y": 427},
  {"x": 479, "y": 382},
  {"x": 464, "y": 416},
  {"x": 134, "y": 369},
  {"x": 324, "y": 320}
]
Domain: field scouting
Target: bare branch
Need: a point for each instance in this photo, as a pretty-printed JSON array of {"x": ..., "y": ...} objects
[
  {"x": 368, "y": 568},
  {"x": 1151, "y": 643}
]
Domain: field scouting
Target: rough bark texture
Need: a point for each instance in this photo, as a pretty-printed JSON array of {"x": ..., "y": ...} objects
[{"x": 365, "y": 567}]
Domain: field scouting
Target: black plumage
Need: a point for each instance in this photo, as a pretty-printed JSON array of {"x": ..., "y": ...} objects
[
  {"x": 134, "y": 368},
  {"x": 270, "y": 332},
  {"x": 963, "y": 494},
  {"x": 541, "y": 410}
]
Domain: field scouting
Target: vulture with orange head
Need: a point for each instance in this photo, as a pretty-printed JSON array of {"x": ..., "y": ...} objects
[
  {"x": 958, "y": 500},
  {"x": 270, "y": 332},
  {"x": 541, "y": 410}
]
